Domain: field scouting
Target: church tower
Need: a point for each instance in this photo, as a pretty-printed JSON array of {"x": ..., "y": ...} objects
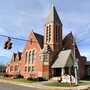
[{"x": 53, "y": 31}]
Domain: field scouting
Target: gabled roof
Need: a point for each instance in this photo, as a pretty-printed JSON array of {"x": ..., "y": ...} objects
[
  {"x": 39, "y": 38},
  {"x": 14, "y": 55},
  {"x": 53, "y": 16},
  {"x": 66, "y": 38},
  {"x": 19, "y": 55},
  {"x": 68, "y": 43},
  {"x": 63, "y": 59}
]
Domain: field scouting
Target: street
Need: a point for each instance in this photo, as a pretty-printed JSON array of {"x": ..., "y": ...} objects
[{"x": 6, "y": 86}]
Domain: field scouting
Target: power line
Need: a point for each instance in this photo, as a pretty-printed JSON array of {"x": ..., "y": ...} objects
[
  {"x": 39, "y": 42},
  {"x": 21, "y": 39},
  {"x": 81, "y": 40},
  {"x": 18, "y": 38},
  {"x": 13, "y": 38}
]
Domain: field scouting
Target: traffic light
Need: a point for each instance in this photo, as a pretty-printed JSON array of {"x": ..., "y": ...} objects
[
  {"x": 9, "y": 45},
  {"x": 5, "y": 45},
  {"x": 8, "y": 39}
]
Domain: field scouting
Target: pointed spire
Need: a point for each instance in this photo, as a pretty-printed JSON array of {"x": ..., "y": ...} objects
[{"x": 53, "y": 16}]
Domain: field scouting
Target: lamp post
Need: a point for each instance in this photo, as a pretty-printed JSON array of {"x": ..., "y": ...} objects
[{"x": 75, "y": 62}]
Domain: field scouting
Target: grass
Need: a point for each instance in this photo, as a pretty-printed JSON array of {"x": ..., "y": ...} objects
[
  {"x": 83, "y": 83},
  {"x": 1, "y": 73},
  {"x": 58, "y": 84},
  {"x": 17, "y": 80}
]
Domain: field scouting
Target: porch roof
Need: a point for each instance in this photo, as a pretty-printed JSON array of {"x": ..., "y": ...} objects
[{"x": 64, "y": 59}]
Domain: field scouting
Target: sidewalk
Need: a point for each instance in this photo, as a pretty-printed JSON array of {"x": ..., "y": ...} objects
[{"x": 40, "y": 85}]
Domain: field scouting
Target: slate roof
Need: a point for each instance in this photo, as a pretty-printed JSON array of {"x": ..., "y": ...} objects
[
  {"x": 53, "y": 16},
  {"x": 19, "y": 55},
  {"x": 14, "y": 55},
  {"x": 40, "y": 39},
  {"x": 61, "y": 59},
  {"x": 68, "y": 36}
]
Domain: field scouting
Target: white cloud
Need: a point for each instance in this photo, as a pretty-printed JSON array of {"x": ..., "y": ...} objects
[
  {"x": 6, "y": 53},
  {"x": 18, "y": 18}
]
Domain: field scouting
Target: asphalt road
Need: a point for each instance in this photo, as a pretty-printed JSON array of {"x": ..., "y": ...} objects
[{"x": 6, "y": 86}]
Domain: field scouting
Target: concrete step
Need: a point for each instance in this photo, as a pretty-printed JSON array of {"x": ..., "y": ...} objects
[{"x": 55, "y": 79}]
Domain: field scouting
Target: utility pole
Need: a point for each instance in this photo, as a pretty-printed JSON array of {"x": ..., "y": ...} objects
[{"x": 75, "y": 62}]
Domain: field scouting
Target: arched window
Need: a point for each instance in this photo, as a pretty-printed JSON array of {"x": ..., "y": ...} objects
[
  {"x": 26, "y": 58},
  {"x": 57, "y": 34},
  {"x": 33, "y": 56},
  {"x": 30, "y": 57},
  {"x": 48, "y": 33}
]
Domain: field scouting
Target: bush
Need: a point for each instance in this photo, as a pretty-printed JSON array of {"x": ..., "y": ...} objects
[
  {"x": 17, "y": 76},
  {"x": 40, "y": 79},
  {"x": 30, "y": 78},
  {"x": 9, "y": 75},
  {"x": 34, "y": 79},
  {"x": 5, "y": 75}
]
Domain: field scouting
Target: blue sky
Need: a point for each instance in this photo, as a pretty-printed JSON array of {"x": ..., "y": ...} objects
[{"x": 19, "y": 17}]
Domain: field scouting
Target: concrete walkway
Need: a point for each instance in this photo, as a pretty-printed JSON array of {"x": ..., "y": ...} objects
[{"x": 41, "y": 85}]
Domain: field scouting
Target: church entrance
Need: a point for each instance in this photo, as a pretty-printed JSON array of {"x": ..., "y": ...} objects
[{"x": 57, "y": 72}]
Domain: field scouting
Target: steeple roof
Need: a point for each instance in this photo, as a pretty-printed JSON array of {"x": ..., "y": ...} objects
[{"x": 53, "y": 16}]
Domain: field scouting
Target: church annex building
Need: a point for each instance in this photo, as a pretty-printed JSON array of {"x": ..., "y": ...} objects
[{"x": 50, "y": 55}]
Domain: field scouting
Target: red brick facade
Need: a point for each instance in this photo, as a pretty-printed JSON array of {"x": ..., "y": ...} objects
[
  {"x": 14, "y": 66},
  {"x": 40, "y": 51}
]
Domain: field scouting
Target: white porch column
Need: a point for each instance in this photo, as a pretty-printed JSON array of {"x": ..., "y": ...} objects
[
  {"x": 63, "y": 71},
  {"x": 69, "y": 70}
]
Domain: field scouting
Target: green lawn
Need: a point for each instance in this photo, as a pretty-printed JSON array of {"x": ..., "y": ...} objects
[
  {"x": 58, "y": 84},
  {"x": 1, "y": 73},
  {"x": 83, "y": 83},
  {"x": 18, "y": 80}
]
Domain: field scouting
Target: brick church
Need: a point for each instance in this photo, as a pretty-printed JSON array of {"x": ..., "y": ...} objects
[{"x": 50, "y": 55}]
